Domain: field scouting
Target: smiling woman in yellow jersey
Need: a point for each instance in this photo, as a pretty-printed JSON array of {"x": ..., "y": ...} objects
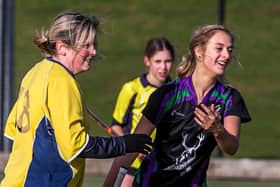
[{"x": 46, "y": 124}]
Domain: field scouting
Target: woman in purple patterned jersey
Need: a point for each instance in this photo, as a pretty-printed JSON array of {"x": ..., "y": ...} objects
[{"x": 193, "y": 114}]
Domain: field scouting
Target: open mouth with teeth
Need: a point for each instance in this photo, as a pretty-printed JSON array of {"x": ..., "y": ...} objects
[{"x": 221, "y": 63}]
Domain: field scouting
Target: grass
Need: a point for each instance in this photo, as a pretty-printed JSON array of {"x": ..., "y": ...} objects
[
  {"x": 129, "y": 24},
  {"x": 97, "y": 181}
]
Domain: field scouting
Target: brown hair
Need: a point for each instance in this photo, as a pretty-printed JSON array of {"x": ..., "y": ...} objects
[{"x": 159, "y": 44}]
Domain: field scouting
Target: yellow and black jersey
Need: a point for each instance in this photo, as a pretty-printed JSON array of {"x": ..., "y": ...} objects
[{"x": 131, "y": 101}]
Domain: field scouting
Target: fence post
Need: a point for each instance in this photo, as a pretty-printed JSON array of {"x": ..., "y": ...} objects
[
  {"x": 6, "y": 66},
  {"x": 221, "y": 11}
]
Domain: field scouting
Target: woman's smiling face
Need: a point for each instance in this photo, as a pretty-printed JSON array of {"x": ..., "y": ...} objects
[
  {"x": 83, "y": 56},
  {"x": 218, "y": 52}
]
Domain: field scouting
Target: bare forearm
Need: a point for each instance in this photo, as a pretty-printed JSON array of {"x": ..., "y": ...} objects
[
  {"x": 122, "y": 161},
  {"x": 226, "y": 142},
  {"x": 227, "y": 135},
  {"x": 144, "y": 127}
]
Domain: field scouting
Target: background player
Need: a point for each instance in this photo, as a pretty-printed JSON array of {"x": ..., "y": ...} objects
[{"x": 159, "y": 57}]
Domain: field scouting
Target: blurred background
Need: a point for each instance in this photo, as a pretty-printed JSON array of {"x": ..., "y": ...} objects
[{"x": 127, "y": 25}]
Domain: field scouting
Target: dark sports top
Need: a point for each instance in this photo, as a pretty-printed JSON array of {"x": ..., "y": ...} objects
[
  {"x": 182, "y": 149},
  {"x": 131, "y": 101}
]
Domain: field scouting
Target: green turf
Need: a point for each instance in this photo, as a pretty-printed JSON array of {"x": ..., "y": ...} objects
[
  {"x": 97, "y": 181},
  {"x": 128, "y": 24}
]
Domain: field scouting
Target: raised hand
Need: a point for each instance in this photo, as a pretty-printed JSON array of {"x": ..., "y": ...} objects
[{"x": 208, "y": 119}]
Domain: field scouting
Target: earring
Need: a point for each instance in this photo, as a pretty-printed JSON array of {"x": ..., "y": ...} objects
[{"x": 198, "y": 58}]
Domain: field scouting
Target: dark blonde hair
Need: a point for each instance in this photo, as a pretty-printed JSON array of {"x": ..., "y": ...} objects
[
  {"x": 199, "y": 37},
  {"x": 72, "y": 28}
]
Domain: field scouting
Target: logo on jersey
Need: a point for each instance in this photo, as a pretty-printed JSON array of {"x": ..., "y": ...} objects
[
  {"x": 218, "y": 108},
  {"x": 175, "y": 113},
  {"x": 23, "y": 123},
  {"x": 185, "y": 160}
]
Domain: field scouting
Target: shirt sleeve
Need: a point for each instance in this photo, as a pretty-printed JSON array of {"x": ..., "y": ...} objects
[
  {"x": 156, "y": 106},
  {"x": 124, "y": 105},
  {"x": 10, "y": 129},
  {"x": 66, "y": 116},
  {"x": 104, "y": 147},
  {"x": 237, "y": 107}
]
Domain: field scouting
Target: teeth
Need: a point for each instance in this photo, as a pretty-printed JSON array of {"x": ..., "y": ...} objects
[{"x": 222, "y": 63}]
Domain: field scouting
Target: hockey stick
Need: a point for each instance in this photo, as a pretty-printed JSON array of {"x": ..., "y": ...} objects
[
  {"x": 100, "y": 122},
  {"x": 104, "y": 126}
]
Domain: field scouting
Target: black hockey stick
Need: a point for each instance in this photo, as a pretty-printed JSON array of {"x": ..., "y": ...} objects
[{"x": 101, "y": 123}]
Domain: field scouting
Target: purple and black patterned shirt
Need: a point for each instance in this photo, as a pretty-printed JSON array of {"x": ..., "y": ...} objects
[{"x": 182, "y": 149}]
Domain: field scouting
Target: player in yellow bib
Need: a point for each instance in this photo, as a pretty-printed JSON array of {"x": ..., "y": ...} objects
[
  {"x": 46, "y": 123},
  {"x": 159, "y": 57}
]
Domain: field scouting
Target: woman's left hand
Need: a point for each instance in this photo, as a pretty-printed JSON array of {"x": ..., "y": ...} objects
[{"x": 208, "y": 119}]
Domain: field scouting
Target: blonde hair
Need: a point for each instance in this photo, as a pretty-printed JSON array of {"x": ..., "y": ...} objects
[
  {"x": 199, "y": 37},
  {"x": 72, "y": 28}
]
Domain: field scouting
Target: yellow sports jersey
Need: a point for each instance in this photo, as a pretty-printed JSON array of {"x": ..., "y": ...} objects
[
  {"x": 47, "y": 129},
  {"x": 131, "y": 101}
]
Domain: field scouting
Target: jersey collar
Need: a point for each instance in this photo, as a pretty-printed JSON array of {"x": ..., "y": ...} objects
[
  {"x": 52, "y": 60},
  {"x": 145, "y": 82}
]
